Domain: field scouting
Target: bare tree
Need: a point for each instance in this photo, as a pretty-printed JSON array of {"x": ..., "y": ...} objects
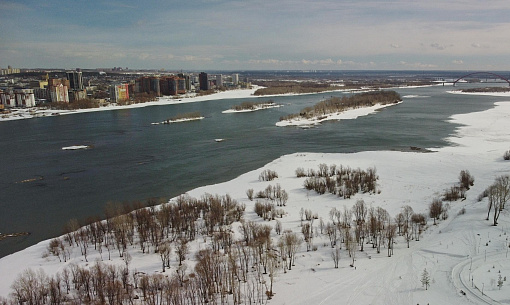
[
  {"x": 182, "y": 249},
  {"x": 331, "y": 231},
  {"x": 435, "y": 209},
  {"x": 335, "y": 255},
  {"x": 359, "y": 210},
  {"x": 164, "y": 250},
  {"x": 390, "y": 236},
  {"x": 292, "y": 243},
  {"x": 407, "y": 213}
]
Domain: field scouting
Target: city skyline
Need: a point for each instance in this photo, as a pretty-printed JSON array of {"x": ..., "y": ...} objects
[{"x": 256, "y": 35}]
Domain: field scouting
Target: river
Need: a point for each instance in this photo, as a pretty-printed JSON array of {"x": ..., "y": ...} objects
[{"x": 131, "y": 159}]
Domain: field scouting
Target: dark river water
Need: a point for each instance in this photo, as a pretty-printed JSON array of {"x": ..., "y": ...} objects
[{"x": 134, "y": 160}]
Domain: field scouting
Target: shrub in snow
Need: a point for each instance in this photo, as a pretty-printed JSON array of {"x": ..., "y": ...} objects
[
  {"x": 454, "y": 193},
  {"x": 249, "y": 193},
  {"x": 300, "y": 172},
  {"x": 435, "y": 209},
  {"x": 506, "y": 155},
  {"x": 425, "y": 279},
  {"x": 466, "y": 180},
  {"x": 268, "y": 175}
]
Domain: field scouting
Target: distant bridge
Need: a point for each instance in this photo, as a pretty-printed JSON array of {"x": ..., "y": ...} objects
[{"x": 499, "y": 76}]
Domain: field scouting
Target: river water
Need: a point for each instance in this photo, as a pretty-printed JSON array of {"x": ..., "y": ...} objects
[{"x": 134, "y": 160}]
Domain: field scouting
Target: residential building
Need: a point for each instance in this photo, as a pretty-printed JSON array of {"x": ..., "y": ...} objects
[
  {"x": 75, "y": 95},
  {"x": 9, "y": 70},
  {"x": 235, "y": 79},
  {"x": 24, "y": 97},
  {"x": 119, "y": 92},
  {"x": 75, "y": 80},
  {"x": 204, "y": 81},
  {"x": 58, "y": 90},
  {"x": 172, "y": 85},
  {"x": 7, "y": 98},
  {"x": 148, "y": 85},
  {"x": 219, "y": 80},
  {"x": 17, "y": 98}
]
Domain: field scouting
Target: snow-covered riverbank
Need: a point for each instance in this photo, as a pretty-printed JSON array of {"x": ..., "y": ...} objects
[
  {"x": 405, "y": 178},
  {"x": 28, "y": 113}
]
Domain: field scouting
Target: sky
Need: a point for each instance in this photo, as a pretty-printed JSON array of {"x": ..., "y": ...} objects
[{"x": 256, "y": 34}]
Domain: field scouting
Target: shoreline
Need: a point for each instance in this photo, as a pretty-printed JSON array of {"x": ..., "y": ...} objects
[{"x": 25, "y": 113}]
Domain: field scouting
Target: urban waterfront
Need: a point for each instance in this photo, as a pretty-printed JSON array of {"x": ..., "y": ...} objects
[{"x": 131, "y": 159}]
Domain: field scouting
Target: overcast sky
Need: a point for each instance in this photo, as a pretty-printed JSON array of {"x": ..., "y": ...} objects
[{"x": 256, "y": 34}]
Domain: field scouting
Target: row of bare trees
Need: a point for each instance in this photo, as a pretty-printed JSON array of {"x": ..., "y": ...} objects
[
  {"x": 342, "y": 181},
  {"x": 498, "y": 195},
  {"x": 362, "y": 225},
  {"x": 228, "y": 272},
  {"x": 339, "y": 104}
]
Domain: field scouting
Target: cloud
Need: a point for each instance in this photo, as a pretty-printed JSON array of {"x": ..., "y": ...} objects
[
  {"x": 321, "y": 62},
  {"x": 417, "y": 65},
  {"x": 14, "y": 7},
  {"x": 438, "y": 46}
]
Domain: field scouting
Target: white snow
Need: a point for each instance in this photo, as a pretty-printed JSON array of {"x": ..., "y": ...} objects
[
  {"x": 179, "y": 120},
  {"x": 344, "y": 115},
  {"x": 504, "y": 94},
  {"x": 415, "y": 96},
  {"x": 461, "y": 247},
  {"x": 76, "y": 147}
]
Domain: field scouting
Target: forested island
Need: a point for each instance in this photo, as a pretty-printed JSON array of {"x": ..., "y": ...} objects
[
  {"x": 486, "y": 89},
  {"x": 334, "y": 105},
  {"x": 252, "y": 106}
]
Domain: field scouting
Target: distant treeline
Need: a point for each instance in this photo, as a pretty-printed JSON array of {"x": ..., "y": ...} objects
[
  {"x": 283, "y": 87},
  {"x": 79, "y": 104},
  {"x": 251, "y": 105},
  {"x": 487, "y": 89},
  {"x": 337, "y": 104}
]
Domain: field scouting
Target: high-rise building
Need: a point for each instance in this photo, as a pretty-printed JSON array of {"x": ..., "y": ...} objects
[
  {"x": 172, "y": 85},
  {"x": 58, "y": 89},
  {"x": 119, "y": 92},
  {"x": 219, "y": 80},
  {"x": 204, "y": 81},
  {"x": 235, "y": 79},
  {"x": 75, "y": 80}
]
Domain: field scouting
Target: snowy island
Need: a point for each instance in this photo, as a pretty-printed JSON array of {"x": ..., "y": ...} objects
[
  {"x": 184, "y": 117},
  {"x": 252, "y": 106},
  {"x": 336, "y": 108}
]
